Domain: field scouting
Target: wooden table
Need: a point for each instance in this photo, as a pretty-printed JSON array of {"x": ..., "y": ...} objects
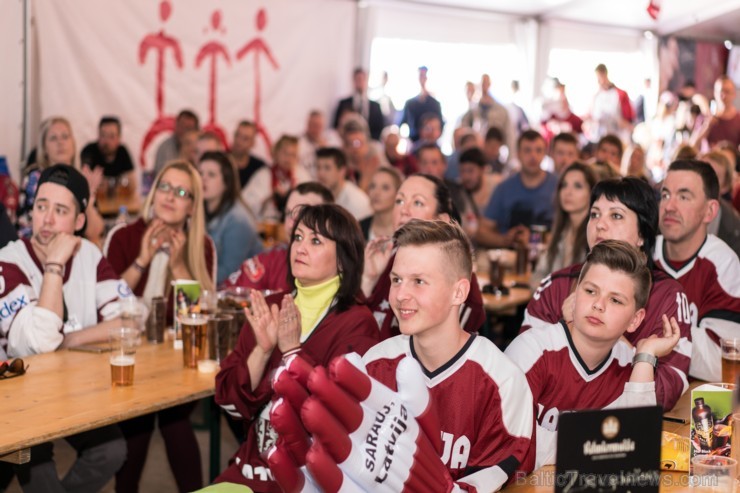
[
  {"x": 68, "y": 392},
  {"x": 543, "y": 479},
  {"x": 518, "y": 294},
  {"x": 109, "y": 206}
]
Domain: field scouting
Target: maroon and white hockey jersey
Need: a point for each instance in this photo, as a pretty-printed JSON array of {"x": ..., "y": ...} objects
[
  {"x": 472, "y": 313},
  {"x": 666, "y": 297},
  {"x": 711, "y": 281},
  {"x": 353, "y": 330},
  {"x": 484, "y": 409},
  {"x": 91, "y": 291},
  {"x": 267, "y": 270},
  {"x": 561, "y": 381}
]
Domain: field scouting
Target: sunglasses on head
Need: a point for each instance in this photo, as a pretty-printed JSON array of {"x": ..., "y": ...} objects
[{"x": 11, "y": 369}]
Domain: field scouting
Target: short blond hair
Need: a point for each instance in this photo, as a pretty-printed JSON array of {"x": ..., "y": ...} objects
[{"x": 450, "y": 238}]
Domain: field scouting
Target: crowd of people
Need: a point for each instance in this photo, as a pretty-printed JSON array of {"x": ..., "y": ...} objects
[{"x": 636, "y": 278}]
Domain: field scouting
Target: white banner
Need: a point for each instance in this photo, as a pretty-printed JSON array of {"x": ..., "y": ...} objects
[{"x": 227, "y": 60}]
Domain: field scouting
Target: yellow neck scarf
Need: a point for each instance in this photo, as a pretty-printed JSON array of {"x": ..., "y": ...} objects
[{"x": 313, "y": 301}]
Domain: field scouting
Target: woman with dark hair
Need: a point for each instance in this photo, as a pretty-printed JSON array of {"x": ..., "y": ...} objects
[
  {"x": 268, "y": 270},
  {"x": 568, "y": 240},
  {"x": 624, "y": 209},
  {"x": 227, "y": 216},
  {"x": 382, "y": 192},
  {"x": 320, "y": 320},
  {"x": 424, "y": 197}
]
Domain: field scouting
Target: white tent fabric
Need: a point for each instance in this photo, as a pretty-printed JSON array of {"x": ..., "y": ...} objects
[{"x": 227, "y": 61}]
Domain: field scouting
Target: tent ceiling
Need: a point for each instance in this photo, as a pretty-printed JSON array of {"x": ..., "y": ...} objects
[{"x": 718, "y": 19}]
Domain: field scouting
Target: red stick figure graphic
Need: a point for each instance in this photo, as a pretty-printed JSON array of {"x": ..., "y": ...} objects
[
  {"x": 160, "y": 43},
  {"x": 259, "y": 47},
  {"x": 212, "y": 50}
]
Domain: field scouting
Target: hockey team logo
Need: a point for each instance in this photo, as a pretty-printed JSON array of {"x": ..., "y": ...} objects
[{"x": 254, "y": 269}]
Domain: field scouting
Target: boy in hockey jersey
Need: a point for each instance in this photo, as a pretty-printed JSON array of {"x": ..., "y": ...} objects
[
  {"x": 585, "y": 363},
  {"x": 624, "y": 209},
  {"x": 481, "y": 398}
]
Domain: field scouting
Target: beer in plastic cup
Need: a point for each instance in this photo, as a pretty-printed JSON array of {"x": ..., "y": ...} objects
[
  {"x": 730, "y": 360},
  {"x": 123, "y": 341},
  {"x": 194, "y": 338}
]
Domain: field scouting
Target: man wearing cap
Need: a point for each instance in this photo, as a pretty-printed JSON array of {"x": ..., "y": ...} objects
[{"x": 54, "y": 288}]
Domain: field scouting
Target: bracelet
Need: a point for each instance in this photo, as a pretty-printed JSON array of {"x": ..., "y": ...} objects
[
  {"x": 136, "y": 265},
  {"x": 645, "y": 358},
  {"x": 54, "y": 268},
  {"x": 291, "y": 352}
]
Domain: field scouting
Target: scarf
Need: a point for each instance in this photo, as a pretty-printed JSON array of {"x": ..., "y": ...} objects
[{"x": 313, "y": 302}]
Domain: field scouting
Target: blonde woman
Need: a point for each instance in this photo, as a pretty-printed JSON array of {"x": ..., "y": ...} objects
[
  {"x": 57, "y": 146},
  {"x": 168, "y": 242}
]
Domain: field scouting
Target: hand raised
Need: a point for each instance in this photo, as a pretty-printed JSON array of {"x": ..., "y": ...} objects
[
  {"x": 94, "y": 177},
  {"x": 661, "y": 346},
  {"x": 289, "y": 325},
  {"x": 377, "y": 255},
  {"x": 264, "y": 322},
  {"x": 156, "y": 234}
]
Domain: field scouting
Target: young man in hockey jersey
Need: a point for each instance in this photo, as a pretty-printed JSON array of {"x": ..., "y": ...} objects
[
  {"x": 584, "y": 363},
  {"x": 453, "y": 413},
  {"x": 624, "y": 209},
  {"x": 484, "y": 409},
  {"x": 707, "y": 268},
  {"x": 57, "y": 286}
]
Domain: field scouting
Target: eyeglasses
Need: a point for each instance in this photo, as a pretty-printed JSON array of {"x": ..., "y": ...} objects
[
  {"x": 179, "y": 192},
  {"x": 11, "y": 369}
]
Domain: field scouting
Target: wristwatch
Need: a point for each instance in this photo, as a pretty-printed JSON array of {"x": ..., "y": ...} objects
[{"x": 645, "y": 358}]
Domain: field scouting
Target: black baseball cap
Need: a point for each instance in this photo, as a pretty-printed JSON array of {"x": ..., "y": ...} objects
[{"x": 69, "y": 178}]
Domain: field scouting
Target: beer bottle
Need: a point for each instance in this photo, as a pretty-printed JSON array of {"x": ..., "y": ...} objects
[{"x": 703, "y": 424}]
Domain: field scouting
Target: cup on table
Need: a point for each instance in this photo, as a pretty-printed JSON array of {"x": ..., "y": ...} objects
[
  {"x": 238, "y": 321},
  {"x": 735, "y": 439},
  {"x": 156, "y": 321},
  {"x": 270, "y": 229},
  {"x": 208, "y": 302},
  {"x": 714, "y": 473},
  {"x": 730, "y": 360},
  {"x": 496, "y": 268},
  {"x": 123, "y": 342},
  {"x": 194, "y": 338},
  {"x": 219, "y": 336},
  {"x": 132, "y": 313},
  {"x": 522, "y": 257}
]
